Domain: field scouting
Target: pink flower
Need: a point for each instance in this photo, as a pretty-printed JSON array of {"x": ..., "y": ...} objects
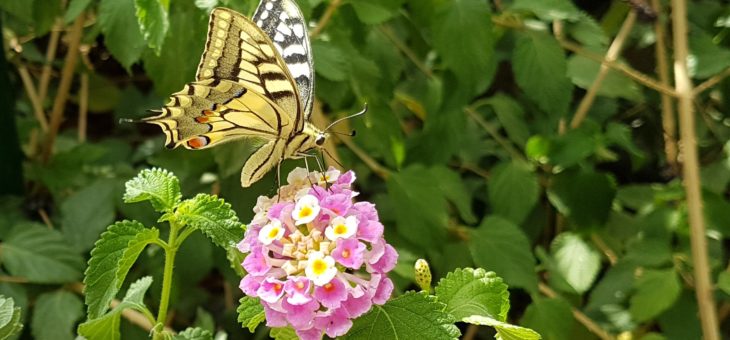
[
  {"x": 349, "y": 253},
  {"x": 331, "y": 294},
  {"x": 313, "y": 234}
]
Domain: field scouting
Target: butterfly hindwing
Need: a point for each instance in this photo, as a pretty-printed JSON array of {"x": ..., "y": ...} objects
[
  {"x": 240, "y": 51},
  {"x": 261, "y": 161},
  {"x": 284, "y": 23}
]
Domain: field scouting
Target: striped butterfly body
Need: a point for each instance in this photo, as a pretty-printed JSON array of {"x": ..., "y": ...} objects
[{"x": 253, "y": 81}]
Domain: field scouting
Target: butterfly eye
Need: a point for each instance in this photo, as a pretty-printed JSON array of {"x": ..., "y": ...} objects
[{"x": 319, "y": 141}]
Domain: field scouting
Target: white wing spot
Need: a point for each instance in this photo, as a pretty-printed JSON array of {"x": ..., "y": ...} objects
[
  {"x": 299, "y": 69},
  {"x": 283, "y": 28},
  {"x": 279, "y": 37},
  {"x": 293, "y": 49},
  {"x": 269, "y": 6},
  {"x": 298, "y": 30},
  {"x": 264, "y": 15}
]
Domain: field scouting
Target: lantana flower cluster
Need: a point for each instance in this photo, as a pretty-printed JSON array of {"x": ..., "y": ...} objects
[{"x": 316, "y": 259}]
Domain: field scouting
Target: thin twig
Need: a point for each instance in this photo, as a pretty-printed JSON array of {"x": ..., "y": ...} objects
[
  {"x": 33, "y": 97},
  {"x": 691, "y": 174},
  {"x": 143, "y": 321},
  {"x": 64, "y": 86},
  {"x": 325, "y": 19},
  {"x": 714, "y": 80},
  {"x": 578, "y": 315},
  {"x": 83, "y": 106},
  {"x": 406, "y": 50},
  {"x": 492, "y": 131},
  {"x": 669, "y": 122},
  {"x": 471, "y": 332},
  {"x": 607, "y": 251},
  {"x": 13, "y": 279},
  {"x": 45, "y": 218},
  {"x": 50, "y": 56},
  {"x": 611, "y": 56},
  {"x": 319, "y": 119}
]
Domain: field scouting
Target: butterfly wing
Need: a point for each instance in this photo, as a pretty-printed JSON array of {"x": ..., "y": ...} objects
[
  {"x": 240, "y": 51},
  {"x": 261, "y": 161},
  {"x": 284, "y": 23},
  {"x": 209, "y": 112}
]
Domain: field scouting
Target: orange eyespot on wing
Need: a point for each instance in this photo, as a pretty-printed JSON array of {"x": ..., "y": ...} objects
[
  {"x": 198, "y": 142},
  {"x": 202, "y": 120}
]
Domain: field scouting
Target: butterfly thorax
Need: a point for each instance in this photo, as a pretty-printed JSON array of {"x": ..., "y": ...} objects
[{"x": 309, "y": 138}]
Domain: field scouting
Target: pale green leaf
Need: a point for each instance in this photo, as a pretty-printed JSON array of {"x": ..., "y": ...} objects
[
  {"x": 583, "y": 71},
  {"x": 40, "y": 255},
  {"x": 549, "y": 10},
  {"x": 214, "y": 217},
  {"x": 153, "y": 22},
  {"x": 158, "y": 186},
  {"x": 283, "y": 333},
  {"x": 723, "y": 282},
  {"x": 194, "y": 334},
  {"x": 576, "y": 260},
  {"x": 497, "y": 239},
  {"x": 409, "y": 316},
  {"x": 505, "y": 331},
  {"x": 55, "y": 315},
  {"x": 112, "y": 257},
  {"x": 511, "y": 116},
  {"x": 540, "y": 68},
  {"x": 107, "y": 326},
  {"x": 513, "y": 191},
  {"x": 656, "y": 291},
  {"x": 121, "y": 33},
  {"x": 474, "y": 292},
  {"x": 250, "y": 313},
  {"x": 10, "y": 318}
]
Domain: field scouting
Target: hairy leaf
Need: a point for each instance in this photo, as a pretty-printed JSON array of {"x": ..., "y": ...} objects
[
  {"x": 106, "y": 327},
  {"x": 470, "y": 291},
  {"x": 214, "y": 217},
  {"x": 250, "y": 313},
  {"x": 158, "y": 186},
  {"x": 55, "y": 315}
]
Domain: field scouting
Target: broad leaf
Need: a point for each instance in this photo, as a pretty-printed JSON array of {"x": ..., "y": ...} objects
[
  {"x": 87, "y": 212},
  {"x": 107, "y": 326},
  {"x": 583, "y": 71},
  {"x": 552, "y": 318},
  {"x": 194, "y": 334},
  {"x": 376, "y": 11},
  {"x": 40, "y": 255},
  {"x": 576, "y": 260},
  {"x": 75, "y": 7},
  {"x": 513, "y": 191},
  {"x": 469, "y": 292},
  {"x": 511, "y": 116},
  {"x": 214, "y": 217},
  {"x": 158, "y": 186},
  {"x": 497, "y": 239},
  {"x": 250, "y": 313},
  {"x": 657, "y": 290},
  {"x": 549, "y": 10},
  {"x": 283, "y": 333},
  {"x": 584, "y": 196},
  {"x": 409, "y": 316},
  {"x": 153, "y": 22},
  {"x": 112, "y": 257},
  {"x": 10, "y": 318},
  {"x": 505, "y": 331},
  {"x": 55, "y": 315},
  {"x": 121, "y": 33}
]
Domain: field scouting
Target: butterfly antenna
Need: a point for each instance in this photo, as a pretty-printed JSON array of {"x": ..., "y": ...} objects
[
  {"x": 332, "y": 158},
  {"x": 364, "y": 109}
]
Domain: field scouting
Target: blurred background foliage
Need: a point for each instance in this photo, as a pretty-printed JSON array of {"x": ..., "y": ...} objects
[{"x": 479, "y": 149}]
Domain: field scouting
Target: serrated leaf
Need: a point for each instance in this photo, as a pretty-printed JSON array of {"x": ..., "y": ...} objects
[
  {"x": 513, "y": 191},
  {"x": 497, "y": 239},
  {"x": 409, "y": 316},
  {"x": 568, "y": 194},
  {"x": 470, "y": 291},
  {"x": 250, "y": 313},
  {"x": 214, "y": 217},
  {"x": 40, "y": 255},
  {"x": 191, "y": 333},
  {"x": 283, "y": 333},
  {"x": 549, "y": 10},
  {"x": 10, "y": 318},
  {"x": 540, "y": 67},
  {"x": 107, "y": 326},
  {"x": 505, "y": 331},
  {"x": 576, "y": 260},
  {"x": 511, "y": 116},
  {"x": 657, "y": 290},
  {"x": 87, "y": 212},
  {"x": 55, "y": 315},
  {"x": 469, "y": 20},
  {"x": 112, "y": 257},
  {"x": 121, "y": 33},
  {"x": 158, "y": 186},
  {"x": 153, "y": 22}
]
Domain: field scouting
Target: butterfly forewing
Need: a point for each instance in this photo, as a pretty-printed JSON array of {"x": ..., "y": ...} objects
[
  {"x": 284, "y": 23},
  {"x": 238, "y": 50}
]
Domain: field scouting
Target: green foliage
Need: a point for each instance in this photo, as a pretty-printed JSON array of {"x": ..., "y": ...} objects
[
  {"x": 250, "y": 313},
  {"x": 107, "y": 326},
  {"x": 505, "y": 331},
  {"x": 10, "y": 323},
  {"x": 469, "y": 292},
  {"x": 160, "y": 187},
  {"x": 213, "y": 217},
  {"x": 55, "y": 315},
  {"x": 194, "y": 334}
]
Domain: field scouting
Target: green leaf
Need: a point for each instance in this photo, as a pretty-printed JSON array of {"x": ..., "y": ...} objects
[
  {"x": 587, "y": 31},
  {"x": 87, "y": 212},
  {"x": 376, "y": 11},
  {"x": 455, "y": 190},
  {"x": 512, "y": 117},
  {"x": 576, "y": 260},
  {"x": 283, "y": 333},
  {"x": 552, "y": 318},
  {"x": 497, "y": 239},
  {"x": 153, "y": 22},
  {"x": 158, "y": 186},
  {"x": 549, "y": 10},
  {"x": 75, "y": 7},
  {"x": 121, "y": 33},
  {"x": 540, "y": 70},
  {"x": 40, "y": 255},
  {"x": 10, "y": 318},
  {"x": 513, "y": 191},
  {"x": 505, "y": 331},
  {"x": 409, "y": 316},
  {"x": 474, "y": 292},
  {"x": 330, "y": 62},
  {"x": 723, "y": 282},
  {"x": 583, "y": 71},
  {"x": 656, "y": 291},
  {"x": 191, "y": 333},
  {"x": 112, "y": 257},
  {"x": 469, "y": 20},
  {"x": 214, "y": 217},
  {"x": 584, "y": 196},
  {"x": 55, "y": 315},
  {"x": 707, "y": 58},
  {"x": 107, "y": 326},
  {"x": 250, "y": 313}
]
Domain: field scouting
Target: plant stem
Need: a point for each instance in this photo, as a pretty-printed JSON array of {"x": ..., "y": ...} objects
[
  {"x": 611, "y": 56},
  {"x": 170, "y": 252},
  {"x": 669, "y": 122},
  {"x": 492, "y": 131},
  {"x": 691, "y": 174},
  {"x": 578, "y": 315},
  {"x": 325, "y": 19}
]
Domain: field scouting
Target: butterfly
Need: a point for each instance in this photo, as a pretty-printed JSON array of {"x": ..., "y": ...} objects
[{"x": 255, "y": 80}]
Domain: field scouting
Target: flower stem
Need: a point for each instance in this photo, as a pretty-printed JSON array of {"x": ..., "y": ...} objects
[{"x": 170, "y": 252}]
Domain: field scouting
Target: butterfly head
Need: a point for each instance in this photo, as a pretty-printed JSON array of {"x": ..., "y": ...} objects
[{"x": 321, "y": 138}]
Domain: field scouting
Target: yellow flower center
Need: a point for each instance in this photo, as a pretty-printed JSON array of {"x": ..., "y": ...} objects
[
  {"x": 300, "y": 285},
  {"x": 340, "y": 229},
  {"x": 305, "y": 212},
  {"x": 277, "y": 287},
  {"x": 273, "y": 232},
  {"x": 319, "y": 267}
]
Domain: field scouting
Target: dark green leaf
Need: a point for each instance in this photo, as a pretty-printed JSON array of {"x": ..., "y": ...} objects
[
  {"x": 87, "y": 212},
  {"x": 583, "y": 72},
  {"x": 512, "y": 117},
  {"x": 549, "y": 10},
  {"x": 107, "y": 327},
  {"x": 513, "y": 191},
  {"x": 75, "y": 7},
  {"x": 121, "y": 33},
  {"x": 376, "y": 11},
  {"x": 552, "y": 318},
  {"x": 153, "y": 22},
  {"x": 584, "y": 196},
  {"x": 657, "y": 290},
  {"x": 55, "y": 315}
]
